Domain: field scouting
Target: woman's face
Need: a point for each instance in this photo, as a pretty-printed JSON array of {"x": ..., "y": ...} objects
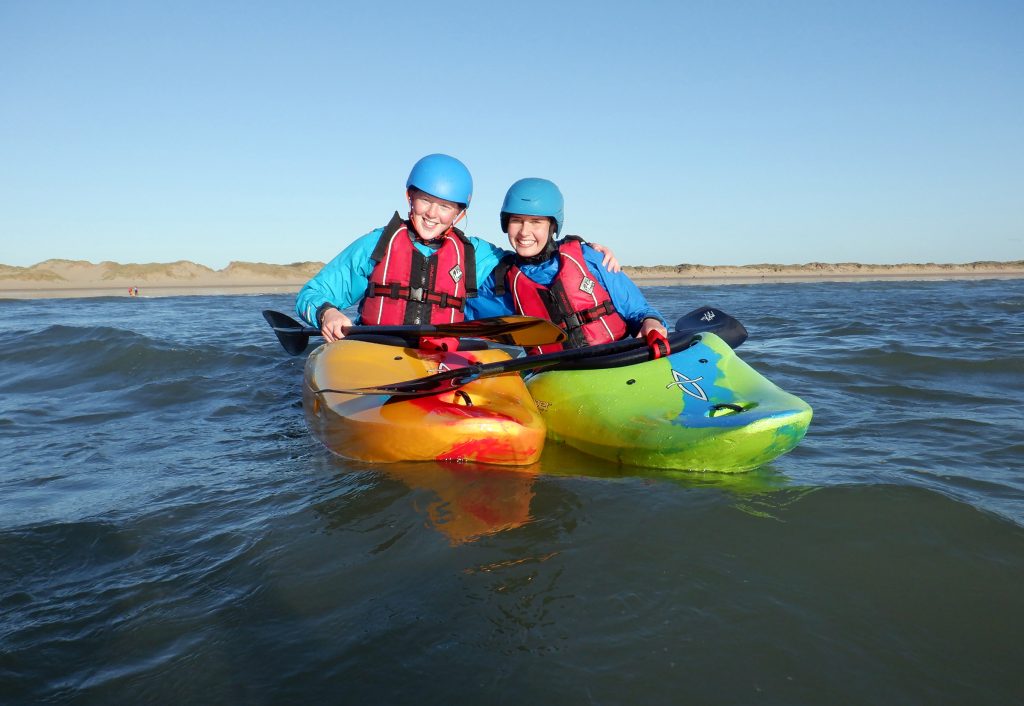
[
  {"x": 431, "y": 216},
  {"x": 528, "y": 235}
]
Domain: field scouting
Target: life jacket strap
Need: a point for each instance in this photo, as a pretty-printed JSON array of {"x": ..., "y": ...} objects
[
  {"x": 577, "y": 319},
  {"x": 394, "y": 290}
]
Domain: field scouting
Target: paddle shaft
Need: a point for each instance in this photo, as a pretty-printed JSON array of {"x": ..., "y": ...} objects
[
  {"x": 453, "y": 379},
  {"x": 510, "y": 330},
  {"x": 697, "y": 321}
]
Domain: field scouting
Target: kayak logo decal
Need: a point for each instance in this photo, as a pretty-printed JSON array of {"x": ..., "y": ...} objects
[
  {"x": 708, "y": 316},
  {"x": 681, "y": 381}
]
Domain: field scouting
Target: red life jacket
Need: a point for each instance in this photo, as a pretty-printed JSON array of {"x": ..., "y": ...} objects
[
  {"x": 408, "y": 287},
  {"x": 574, "y": 300}
]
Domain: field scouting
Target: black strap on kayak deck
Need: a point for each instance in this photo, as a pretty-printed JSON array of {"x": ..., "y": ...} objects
[{"x": 642, "y": 353}]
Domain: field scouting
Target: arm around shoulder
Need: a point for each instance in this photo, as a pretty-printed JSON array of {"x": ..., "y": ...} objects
[
  {"x": 487, "y": 257},
  {"x": 486, "y": 303}
]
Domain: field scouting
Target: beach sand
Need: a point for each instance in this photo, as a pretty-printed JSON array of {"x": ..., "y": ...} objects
[{"x": 78, "y": 278}]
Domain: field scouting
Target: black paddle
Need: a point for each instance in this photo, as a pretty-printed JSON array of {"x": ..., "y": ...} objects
[
  {"x": 608, "y": 354},
  {"x": 510, "y": 330}
]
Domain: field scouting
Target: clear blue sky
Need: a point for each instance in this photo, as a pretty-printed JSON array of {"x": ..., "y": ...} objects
[{"x": 689, "y": 132}]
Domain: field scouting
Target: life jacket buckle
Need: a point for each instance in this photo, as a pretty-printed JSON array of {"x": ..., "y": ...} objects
[{"x": 416, "y": 294}]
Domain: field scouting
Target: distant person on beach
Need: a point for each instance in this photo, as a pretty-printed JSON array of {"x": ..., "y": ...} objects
[
  {"x": 415, "y": 270},
  {"x": 563, "y": 280}
]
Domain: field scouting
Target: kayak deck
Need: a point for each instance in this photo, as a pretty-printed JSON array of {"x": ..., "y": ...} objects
[
  {"x": 492, "y": 420},
  {"x": 701, "y": 409}
]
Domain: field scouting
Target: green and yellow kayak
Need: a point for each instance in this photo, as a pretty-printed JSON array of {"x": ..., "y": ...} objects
[{"x": 701, "y": 409}]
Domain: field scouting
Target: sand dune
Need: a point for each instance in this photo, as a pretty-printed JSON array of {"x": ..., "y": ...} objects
[
  {"x": 76, "y": 278},
  {"x": 80, "y": 272},
  {"x": 73, "y": 278}
]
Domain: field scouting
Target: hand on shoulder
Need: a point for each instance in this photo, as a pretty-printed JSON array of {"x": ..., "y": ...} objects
[{"x": 610, "y": 262}]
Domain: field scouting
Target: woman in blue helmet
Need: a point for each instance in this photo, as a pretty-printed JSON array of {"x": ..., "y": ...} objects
[
  {"x": 562, "y": 280},
  {"x": 416, "y": 270}
]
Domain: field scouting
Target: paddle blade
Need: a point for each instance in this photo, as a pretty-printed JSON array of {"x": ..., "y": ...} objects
[
  {"x": 294, "y": 337},
  {"x": 510, "y": 330},
  {"x": 716, "y": 321}
]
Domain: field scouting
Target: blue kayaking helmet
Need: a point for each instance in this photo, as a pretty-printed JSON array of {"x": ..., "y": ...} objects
[
  {"x": 533, "y": 197},
  {"x": 442, "y": 176}
]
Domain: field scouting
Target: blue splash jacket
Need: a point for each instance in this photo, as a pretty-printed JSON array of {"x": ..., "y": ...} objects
[
  {"x": 626, "y": 296},
  {"x": 343, "y": 281}
]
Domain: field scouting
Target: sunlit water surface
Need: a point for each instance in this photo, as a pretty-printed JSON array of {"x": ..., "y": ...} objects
[{"x": 171, "y": 533}]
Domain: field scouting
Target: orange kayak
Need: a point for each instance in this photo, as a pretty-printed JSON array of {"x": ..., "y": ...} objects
[{"x": 492, "y": 420}]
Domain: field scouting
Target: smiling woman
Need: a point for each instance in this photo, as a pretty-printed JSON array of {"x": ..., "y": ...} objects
[
  {"x": 562, "y": 280},
  {"x": 416, "y": 270}
]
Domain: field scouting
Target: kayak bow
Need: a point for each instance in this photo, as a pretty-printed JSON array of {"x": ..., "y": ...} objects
[{"x": 701, "y": 408}]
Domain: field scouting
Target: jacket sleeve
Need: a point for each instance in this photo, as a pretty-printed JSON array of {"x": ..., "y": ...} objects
[
  {"x": 487, "y": 257},
  {"x": 342, "y": 281},
  {"x": 486, "y": 303},
  {"x": 629, "y": 301}
]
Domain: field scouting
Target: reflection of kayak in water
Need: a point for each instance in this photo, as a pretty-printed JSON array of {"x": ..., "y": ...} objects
[
  {"x": 492, "y": 420},
  {"x": 560, "y": 460},
  {"x": 700, "y": 408},
  {"x": 467, "y": 501}
]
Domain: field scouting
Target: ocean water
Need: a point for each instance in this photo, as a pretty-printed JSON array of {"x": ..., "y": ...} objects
[{"x": 171, "y": 533}]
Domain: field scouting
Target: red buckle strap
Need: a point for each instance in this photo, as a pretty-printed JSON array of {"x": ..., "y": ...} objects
[
  {"x": 658, "y": 344},
  {"x": 429, "y": 343}
]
